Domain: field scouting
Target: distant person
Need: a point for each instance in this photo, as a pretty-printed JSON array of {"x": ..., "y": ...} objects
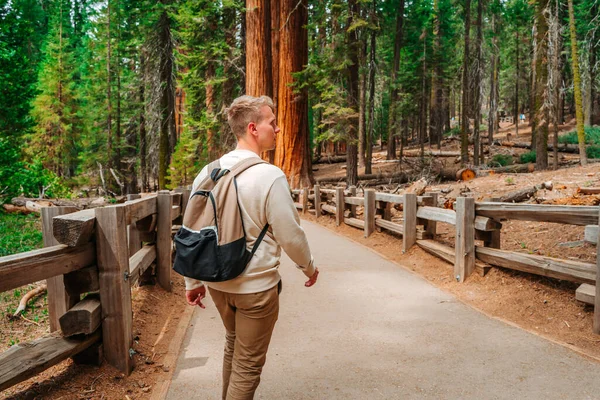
[
  {"x": 522, "y": 118},
  {"x": 249, "y": 304}
]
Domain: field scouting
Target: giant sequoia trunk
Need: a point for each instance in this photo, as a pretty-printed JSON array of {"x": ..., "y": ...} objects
[
  {"x": 437, "y": 112},
  {"x": 577, "y": 86},
  {"x": 258, "y": 48},
  {"x": 167, "y": 96},
  {"x": 393, "y": 125},
  {"x": 464, "y": 117},
  {"x": 292, "y": 154},
  {"x": 353, "y": 43},
  {"x": 477, "y": 85},
  {"x": 541, "y": 123},
  {"x": 493, "y": 112}
]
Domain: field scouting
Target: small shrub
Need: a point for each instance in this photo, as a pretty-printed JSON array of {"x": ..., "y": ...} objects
[
  {"x": 593, "y": 152},
  {"x": 592, "y": 136},
  {"x": 453, "y": 132},
  {"x": 501, "y": 160},
  {"x": 509, "y": 181},
  {"x": 528, "y": 157}
]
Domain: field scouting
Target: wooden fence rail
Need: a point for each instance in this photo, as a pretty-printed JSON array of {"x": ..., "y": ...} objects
[{"x": 98, "y": 250}]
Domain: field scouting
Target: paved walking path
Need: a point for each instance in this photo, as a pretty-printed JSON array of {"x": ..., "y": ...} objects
[{"x": 369, "y": 329}]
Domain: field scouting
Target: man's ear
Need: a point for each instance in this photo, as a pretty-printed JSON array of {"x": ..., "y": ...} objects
[{"x": 252, "y": 127}]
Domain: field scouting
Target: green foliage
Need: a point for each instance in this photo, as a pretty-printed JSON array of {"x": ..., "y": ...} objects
[
  {"x": 453, "y": 132},
  {"x": 501, "y": 160},
  {"x": 593, "y": 152},
  {"x": 528, "y": 157},
  {"x": 592, "y": 136},
  {"x": 19, "y": 233}
]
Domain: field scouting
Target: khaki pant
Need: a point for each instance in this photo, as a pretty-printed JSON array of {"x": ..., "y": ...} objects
[{"x": 249, "y": 320}]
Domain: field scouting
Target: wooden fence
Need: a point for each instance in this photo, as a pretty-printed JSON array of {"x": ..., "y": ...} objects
[
  {"x": 102, "y": 252},
  {"x": 472, "y": 221}
]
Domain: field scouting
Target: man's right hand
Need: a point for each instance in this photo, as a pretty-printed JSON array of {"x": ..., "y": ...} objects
[
  {"x": 194, "y": 297},
  {"x": 313, "y": 278}
]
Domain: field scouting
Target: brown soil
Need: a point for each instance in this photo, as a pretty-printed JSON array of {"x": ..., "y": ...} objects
[{"x": 159, "y": 323}]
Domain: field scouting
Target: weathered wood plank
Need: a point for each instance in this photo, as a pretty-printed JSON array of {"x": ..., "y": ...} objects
[
  {"x": 389, "y": 225},
  {"x": 84, "y": 280},
  {"x": 115, "y": 292},
  {"x": 329, "y": 209},
  {"x": 24, "y": 360},
  {"x": 573, "y": 215},
  {"x": 133, "y": 233},
  {"x": 59, "y": 300},
  {"x": 591, "y": 234},
  {"x": 390, "y": 198},
  {"x": 409, "y": 236},
  {"x": 83, "y": 318},
  {"x": 176, "y": 198},
  {"x": 448, "y": 254},
  {"x": 140, "y": 261},
  {"x": 357, "y": 201},
  {"x": 76, "y": 228},
  {"x": 437, "y": 214},
  {"x": 304, "y": 198},
  {"x": 298, "y": 205},
  {"x": 163, "y": 240},
  {"x": 352, "y": 193},
  {"x": 317, "y": 200},
  {"x": 369, "y": 213},
  {"x": 430, "y": 226},
  {"x": 569, "y": 270},
  {"x": 23, "y": 268},
  {"x": 175, "y": 212},
  {"x": 339, "y": 206},
  {"x": 465, "y": 238},
  {"x": 139, "y": 209},
  {"x": 355, "y": 222},
  {"x": 586, "y": 293},
  {"x": 185, "y": 197}
]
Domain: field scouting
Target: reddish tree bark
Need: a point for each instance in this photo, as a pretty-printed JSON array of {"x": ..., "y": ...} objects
[{"x": 292, "y": 154}]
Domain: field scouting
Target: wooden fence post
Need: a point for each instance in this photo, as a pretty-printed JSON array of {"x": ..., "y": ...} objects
[
  {"x": 352, "y": 190},
  {"x": 135, "y": 243},
  {"x": 339, "y": 206},
  {"x": 163, "y": 239},
  {"x": 369, "y": 212},
  {"x": 465, "y": 238},
  {"x": 59, "y": 300},
  {"x": 305, "y": 193},
  {"x": 431, "y": 226},
  {"x": 185, "y": 197},
  {"x": 113, "y": 280},
  {"x": 409, "y": 235},
  {"x": 597, "y": 298},
  {"x": 317, "y": 201}
]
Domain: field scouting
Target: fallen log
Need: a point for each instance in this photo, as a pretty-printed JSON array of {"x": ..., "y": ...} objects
[
  {"x": 588, "y": 190},
  {"x": 524, "y": 194},
  {"x": 22, "y": 202},
  {"x": 457, "y": 174},
  {"x": 329, "y": 159},
  {"x": 431, "y": 153},
  {"x": 367, "y": 177},
  {"x": 10, "y": 208},
  {"x": 562, "y": 148}
]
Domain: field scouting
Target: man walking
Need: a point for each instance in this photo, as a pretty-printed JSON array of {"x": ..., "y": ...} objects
[{"x": 249, "y": 304}]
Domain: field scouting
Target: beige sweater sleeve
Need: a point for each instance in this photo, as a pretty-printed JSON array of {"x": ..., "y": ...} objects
[{"x": 285, "y": 224}]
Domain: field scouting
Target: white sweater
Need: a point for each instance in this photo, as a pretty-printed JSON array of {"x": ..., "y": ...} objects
[{"x": 264, "y": 197}]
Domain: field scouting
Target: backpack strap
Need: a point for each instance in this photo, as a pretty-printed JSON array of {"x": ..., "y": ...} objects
[
  {"x": 258, "y": 240},
  {"x": 244, "y": 164}
]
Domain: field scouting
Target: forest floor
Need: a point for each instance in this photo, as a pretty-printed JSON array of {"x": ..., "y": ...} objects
[{"x": 540, "y": 305}]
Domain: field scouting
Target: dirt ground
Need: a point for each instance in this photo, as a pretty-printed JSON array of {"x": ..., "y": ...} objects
[{"x": 159, "y": 320}]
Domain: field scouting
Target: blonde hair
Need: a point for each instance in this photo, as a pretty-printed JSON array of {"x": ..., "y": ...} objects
[{"x": 246, "y": 109}]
